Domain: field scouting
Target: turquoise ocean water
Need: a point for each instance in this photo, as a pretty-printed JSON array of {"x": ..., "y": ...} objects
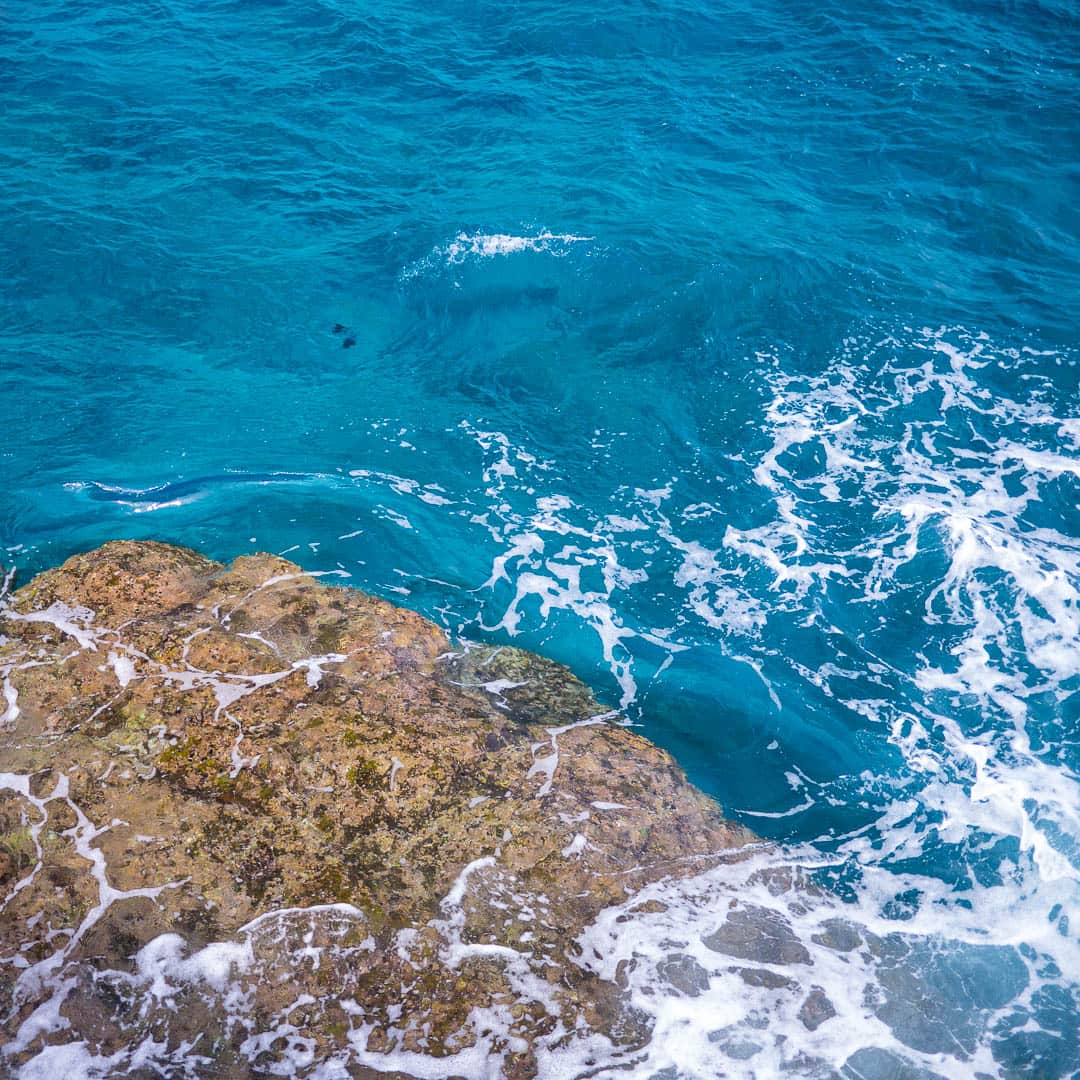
[{"x": 726, "y": 352}]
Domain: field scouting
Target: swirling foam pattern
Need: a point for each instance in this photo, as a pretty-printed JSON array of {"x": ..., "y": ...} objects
[{"x": 725, "y": 351}]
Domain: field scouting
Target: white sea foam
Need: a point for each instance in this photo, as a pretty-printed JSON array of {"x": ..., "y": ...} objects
[
  {"x": 743, "y": 969},
  {"x": 489, "y": 245},
  {"x": 1000, "y": 615},
  {"x": 745, "y": 972},
  {"x": 11, "y": 699},
  {"x": 466, "y": 247},
  {"x": 1008, "y": 601}
]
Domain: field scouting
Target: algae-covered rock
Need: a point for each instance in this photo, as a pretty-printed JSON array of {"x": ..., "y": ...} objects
[{"x": 306, "y": 816}]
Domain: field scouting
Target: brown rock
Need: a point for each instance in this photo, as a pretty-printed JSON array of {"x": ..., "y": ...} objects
[{"x": 199, "y": 750}]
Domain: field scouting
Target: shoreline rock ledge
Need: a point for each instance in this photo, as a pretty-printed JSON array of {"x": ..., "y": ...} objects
[{"x": 254, "y": 824}]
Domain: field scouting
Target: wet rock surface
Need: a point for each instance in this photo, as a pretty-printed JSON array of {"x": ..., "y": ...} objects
[
  {"x": 255, "y": 821},
  {"x": 760, "y": 934},
  {"x": 816, "y": 1009}
]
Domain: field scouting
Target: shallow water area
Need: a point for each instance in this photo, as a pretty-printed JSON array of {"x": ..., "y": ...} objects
[{"x": 724, "y": 353}]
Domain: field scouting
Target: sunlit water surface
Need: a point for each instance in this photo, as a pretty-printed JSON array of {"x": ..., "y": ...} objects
[{"x": 725, "y": 352}]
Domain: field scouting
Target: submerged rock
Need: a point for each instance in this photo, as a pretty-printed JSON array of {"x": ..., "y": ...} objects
[{"x": 251, "y": 820}]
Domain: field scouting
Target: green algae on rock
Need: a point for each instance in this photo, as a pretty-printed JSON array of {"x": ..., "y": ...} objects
[{"x": 313, "y": 820}]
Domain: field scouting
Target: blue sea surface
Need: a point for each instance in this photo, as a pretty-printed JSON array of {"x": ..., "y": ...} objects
[{"x": 726, "y": 352}]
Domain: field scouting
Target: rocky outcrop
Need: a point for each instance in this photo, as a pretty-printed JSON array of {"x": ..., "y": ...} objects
[{"x": 252, "y": 819}]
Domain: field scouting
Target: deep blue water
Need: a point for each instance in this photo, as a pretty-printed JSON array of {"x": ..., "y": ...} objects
[{"x": 726, "y": 352}]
